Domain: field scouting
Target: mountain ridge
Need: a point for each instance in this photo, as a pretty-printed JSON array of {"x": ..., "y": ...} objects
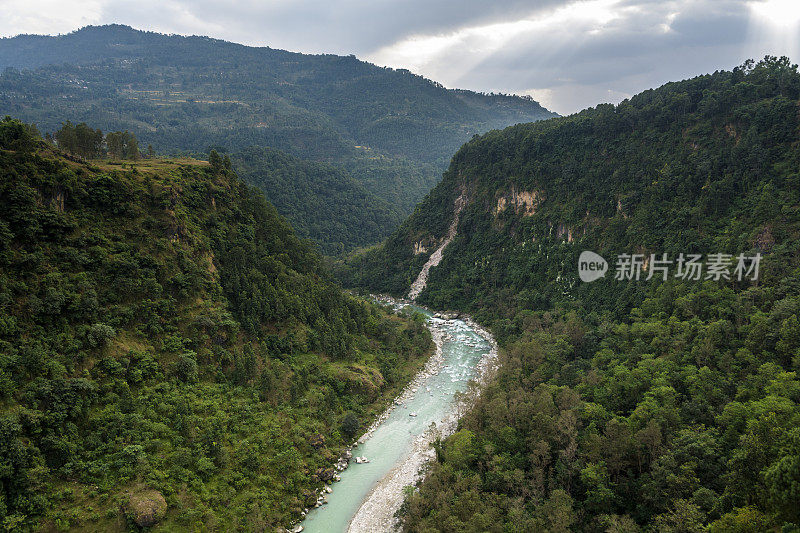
[
  {"x": 631, "y": 403},
  {"x": 96, "y": 44},
  {"x": 390, "y": 130}
]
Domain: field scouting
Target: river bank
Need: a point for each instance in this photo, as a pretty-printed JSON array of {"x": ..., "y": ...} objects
[
  {"x": 397, "y": 444},
  {"x": 377, "y": 512}
]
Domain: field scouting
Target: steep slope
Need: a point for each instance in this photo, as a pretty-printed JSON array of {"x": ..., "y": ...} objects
[
  {"x": 323, "y": 202},
  {"x": 622, "y": 404},
  {"x": 167, "y": 344}
]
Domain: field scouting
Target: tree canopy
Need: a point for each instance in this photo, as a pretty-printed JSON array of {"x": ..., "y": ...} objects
[
  {"x": 621, "y": 405},
  {"x": 163, "y": 329}
]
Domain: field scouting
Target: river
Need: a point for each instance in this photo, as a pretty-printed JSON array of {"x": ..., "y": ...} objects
[{"x": 398, "y": 444}]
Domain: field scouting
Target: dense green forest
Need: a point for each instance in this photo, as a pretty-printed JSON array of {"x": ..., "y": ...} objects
[
  {"x": 170, "y": 351},
  {"x": 322, "y": 202},
  {"x": 622, "y": 405},
  {"x": 391, "y": 130}
]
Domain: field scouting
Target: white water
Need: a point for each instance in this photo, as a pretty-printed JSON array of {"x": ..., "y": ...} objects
[{"x": 398, "y": 445}]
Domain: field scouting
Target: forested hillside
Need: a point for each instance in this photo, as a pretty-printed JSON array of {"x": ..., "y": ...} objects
[
  {"x": 623, "y": 404},
  {"x": 313, "y": 104},
  {"x": 170, "y": 352},
  {"x": 392, "y": 130},
  {"x": 323, "y": 202}
]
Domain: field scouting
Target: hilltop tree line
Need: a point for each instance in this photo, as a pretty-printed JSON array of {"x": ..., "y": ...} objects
[{"x": 83, "y": 141}]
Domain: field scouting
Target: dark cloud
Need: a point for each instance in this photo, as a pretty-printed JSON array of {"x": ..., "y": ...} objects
[
  {"x": 641, "y": 45},
  {"x": 350, "y": 26},
  {"x": 571, "y": 54}
]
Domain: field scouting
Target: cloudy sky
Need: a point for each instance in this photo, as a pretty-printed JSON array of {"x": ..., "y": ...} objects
[{"x": 566, "y": 54}]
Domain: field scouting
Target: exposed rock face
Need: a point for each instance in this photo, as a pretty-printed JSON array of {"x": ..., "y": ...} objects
[
  {"x": 57, "y": 199},
  {"x": 620, "y": 209},
  {"x": 525, "y": 202},
  {"x": 419, "y": 248},
  {"x": 562, "y": 230},
  {"x": 147, "y": 507},
  {"x": 436, "y": 257},
  {"x": 764, "y": 241}
]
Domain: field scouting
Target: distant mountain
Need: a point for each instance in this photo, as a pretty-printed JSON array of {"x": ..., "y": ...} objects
[
  {"x": 386, "y": 109},
  {"x": 187, "y": 93},
  {"x": 627, "y": 403}
]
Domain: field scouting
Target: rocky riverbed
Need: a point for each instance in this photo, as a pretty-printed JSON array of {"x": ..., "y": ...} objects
[
  {"x": 397, "y": 445},
  {"x": 376, "y": 513}
]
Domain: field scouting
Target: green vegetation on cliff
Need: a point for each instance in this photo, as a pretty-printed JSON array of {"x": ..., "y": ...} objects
[
  {"x": 390, "y": 130},
  {"x": 622, "y": 405},
  {"x": 168, "y": 345},
  {"x": 323, "y": 202}
]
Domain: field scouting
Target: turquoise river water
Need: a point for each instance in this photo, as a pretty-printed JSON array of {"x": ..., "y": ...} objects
[{"x": 391, "y": 441}]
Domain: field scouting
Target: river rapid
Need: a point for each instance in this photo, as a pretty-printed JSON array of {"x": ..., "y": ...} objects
[{"x": 397, "y": 445}]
